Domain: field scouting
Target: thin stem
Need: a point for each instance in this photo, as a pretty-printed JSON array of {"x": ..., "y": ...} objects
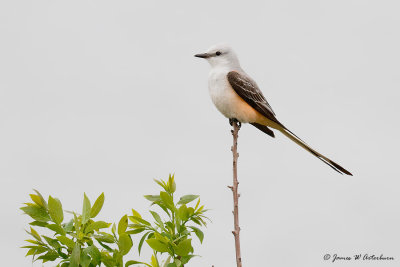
[
  {"x": 179, "y": 258},
  {"x": 236, "y": 232}
]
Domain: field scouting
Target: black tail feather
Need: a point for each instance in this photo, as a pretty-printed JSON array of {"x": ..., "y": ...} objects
[{"x": 324, "y": 159}]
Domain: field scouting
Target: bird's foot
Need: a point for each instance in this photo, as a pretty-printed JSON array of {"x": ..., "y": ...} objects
[{"x": 233, "y": 120}]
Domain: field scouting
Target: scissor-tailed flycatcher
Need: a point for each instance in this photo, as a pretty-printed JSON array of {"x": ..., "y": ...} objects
[{"x": 238, "y": 97}]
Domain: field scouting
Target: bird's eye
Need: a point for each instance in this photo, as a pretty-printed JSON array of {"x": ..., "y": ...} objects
[{"x": 218, "y": 53}]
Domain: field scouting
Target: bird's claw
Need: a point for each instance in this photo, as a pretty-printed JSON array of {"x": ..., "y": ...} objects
[{"x": 232, "y": 121}]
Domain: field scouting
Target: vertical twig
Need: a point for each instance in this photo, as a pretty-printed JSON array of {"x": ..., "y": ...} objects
[{"x": 236, "y": 232}]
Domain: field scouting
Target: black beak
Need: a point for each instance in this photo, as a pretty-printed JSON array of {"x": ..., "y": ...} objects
[{"x": 204, "y": 55}]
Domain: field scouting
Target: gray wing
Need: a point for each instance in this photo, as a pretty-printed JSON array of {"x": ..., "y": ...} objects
[{"x": 248, "y": 90}]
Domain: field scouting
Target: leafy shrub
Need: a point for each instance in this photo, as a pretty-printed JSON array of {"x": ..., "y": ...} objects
[
  {"x": 84, "y": 242},
  {"x": 171, "y": 236}
]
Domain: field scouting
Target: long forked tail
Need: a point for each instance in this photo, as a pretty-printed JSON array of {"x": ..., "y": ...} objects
[{"x": 301, "y": 143}]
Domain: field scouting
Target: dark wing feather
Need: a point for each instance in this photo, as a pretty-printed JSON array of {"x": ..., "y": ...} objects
[
  {"x": 248, "y": 90},
  {"x": 264, "y": 129}
]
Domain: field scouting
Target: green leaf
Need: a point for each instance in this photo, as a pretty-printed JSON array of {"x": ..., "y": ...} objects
[
  {"x": 183, "y": 213},
  {"x": 94, "y": 253},
  {"x": 49, "y": 256},
  {"x": 68, "y": 226},
  {"x": 196, "y": 221},
  {"x": 178, "y": 262},
  {"x": 129, "y": 263},
  {"x": 187, "y": 199},
  {"x": 162, "y": 184},
  {"x": 56, "y": 228},
  {"x": 104, "y": 237},
  {"x": 200, "y": 217},
  {"x": 137, "y": 219},
  {"x": 135, "y": 213},
  {"x": 157, "y": 218},
  {"x": 123, "y": 224},
  {"x": 171, "y": 184},
  {"x": 118, "y": 258},
  {"x": 98, "y": 204},
  {"x": 77, "y": 222},
  {"x": 66, "y": 241},
  {"x": 43, "y": 202},
  {"x": 113, "y": 229},
  {"x": 35, "y": 234},
  {"x": 141, "y": 241},
  {"x": 52, "y": 242},
  {"x": 136, "y": 225},
  {"x": 190, "y": 211},
  {"x": 198, "y": 232},
  {"x": 37, "y": 249},
  {"x": 136, "y": 231},
  {"x": 167, "y": 200},
  {"x": 163, "y": 207},
  {"x": 105, "y": 246},
  {"x": 85, "y": 259},
  {"x": 173, "y": 264},
  {"x": 170, "y": 225},
  {"x": 37, "y": 213},
  {"x": 201, "y": 209},
  {"x": 36, "y": 242},
  {"x": 186, "y": 259},
  {"x": 157, "y": 245},
  {"x": 197, "y": 204},
  {"x": 95, "y": 226},
  {"x": 154, "y": 261},
  {"x": 184, "y": 247},
  {"x": 107, "y": 260},
  {"x": 161, "y": 238},
  {"x": 31, "y": 251},
  {"x": 152, "y": 198},
  {"x": 55, "y": 210},
  {"x": 32, "y": 246},
  {"x": 40, "y": 224},
  {"x": 85, "y": 210},
  {"x": 75, "y": 256},
  {"x": 124, "y": 243},
  {"x": 36, "y": 199}
]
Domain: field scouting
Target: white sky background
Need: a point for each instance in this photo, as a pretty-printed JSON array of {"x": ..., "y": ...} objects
[{"x": 106, "y": 95}]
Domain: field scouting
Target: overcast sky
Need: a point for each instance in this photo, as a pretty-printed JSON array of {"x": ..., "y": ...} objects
[{"x": 104, "y": 96}]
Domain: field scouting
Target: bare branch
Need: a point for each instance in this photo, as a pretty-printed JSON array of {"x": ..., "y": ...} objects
[{"x": 235, "y": 133}]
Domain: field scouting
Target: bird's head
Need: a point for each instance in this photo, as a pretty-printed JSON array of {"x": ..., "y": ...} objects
[{"x": 220, "y": 55}]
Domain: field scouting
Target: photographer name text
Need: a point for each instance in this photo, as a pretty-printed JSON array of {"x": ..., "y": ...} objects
[{"x": 357, "y": 257}]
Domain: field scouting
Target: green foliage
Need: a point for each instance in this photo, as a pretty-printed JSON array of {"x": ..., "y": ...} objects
[
  {"x": 83, "y": 242},
  {"x": 79, "y": 242},
  {"x": 171, "y": 233}
]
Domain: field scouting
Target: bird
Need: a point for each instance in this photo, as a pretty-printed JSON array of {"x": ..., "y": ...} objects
[{"x": 237, "y": 96}]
